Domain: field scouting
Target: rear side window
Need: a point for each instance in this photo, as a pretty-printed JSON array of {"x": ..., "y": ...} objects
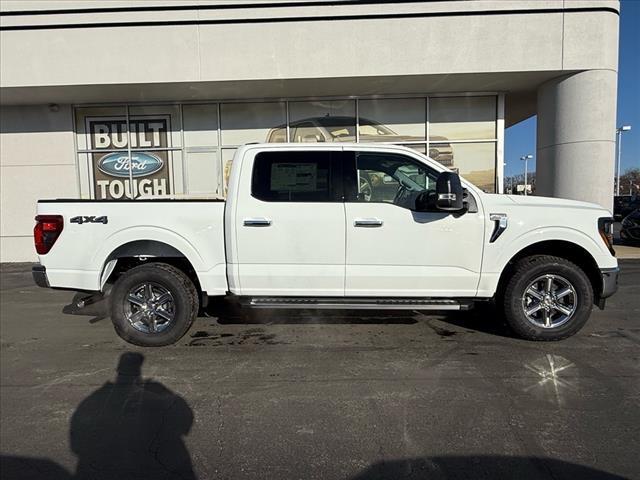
[{"x": 297, "y": 176}]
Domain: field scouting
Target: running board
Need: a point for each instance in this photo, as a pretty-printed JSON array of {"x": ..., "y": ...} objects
[{"x": 358, "y": 303}]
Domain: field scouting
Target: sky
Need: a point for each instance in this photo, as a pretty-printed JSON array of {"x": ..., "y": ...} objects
[{"x": 520, "y": 139}]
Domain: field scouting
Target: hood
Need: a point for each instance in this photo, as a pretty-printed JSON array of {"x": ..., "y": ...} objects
[{"x": 545, "y": 202}]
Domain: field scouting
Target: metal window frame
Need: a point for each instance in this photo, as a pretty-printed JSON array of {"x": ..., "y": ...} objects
[{"x": 498, "y": 140}]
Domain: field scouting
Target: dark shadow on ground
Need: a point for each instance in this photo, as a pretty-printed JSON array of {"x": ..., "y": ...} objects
[
  {"x": 31, "y": 468},
  {"x": 129, "y": 429},
  {"x": 96, "y": 306},
  {"x": 483, "y": 318},
  {"x": 132, "y": 428},
  {"x": 476, "y": 467},
  {"x": 481, "y": 467}
]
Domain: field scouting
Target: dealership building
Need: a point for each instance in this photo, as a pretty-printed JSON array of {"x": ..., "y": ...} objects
[{"x": 123, "y": 99}]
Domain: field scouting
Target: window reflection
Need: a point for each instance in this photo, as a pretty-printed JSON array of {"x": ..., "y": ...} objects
[
  {"x": 323, "y": 121},
  {"x": 476, "y": 162},
  {"x": 211, "y": 132},
  {"x": 251, "y": 122},
  {"x": 392, "y": 120},
  {"x": 462, "y": 118}
]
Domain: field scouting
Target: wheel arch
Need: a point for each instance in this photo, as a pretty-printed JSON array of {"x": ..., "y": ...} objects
[
  {"x": 559, "y": 248},
  {"x": 138, "y": 252}
]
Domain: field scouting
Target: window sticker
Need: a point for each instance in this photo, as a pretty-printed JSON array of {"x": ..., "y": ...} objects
[{"x": 294, "y": 177}]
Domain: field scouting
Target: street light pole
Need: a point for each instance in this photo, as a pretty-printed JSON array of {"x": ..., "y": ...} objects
[
  {"x": 619, "y": 130},
  {"x": 526, "y": 159}
]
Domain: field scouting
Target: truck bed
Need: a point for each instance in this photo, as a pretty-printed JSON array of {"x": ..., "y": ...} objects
[{"x": 95, "y": 231}]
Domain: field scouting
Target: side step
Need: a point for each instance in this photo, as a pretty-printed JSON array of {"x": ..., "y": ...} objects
[{"x": 358, "y": 303}]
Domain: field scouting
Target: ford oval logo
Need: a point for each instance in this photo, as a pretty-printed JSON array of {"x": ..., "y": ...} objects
[{"x": 116, "y": 164}]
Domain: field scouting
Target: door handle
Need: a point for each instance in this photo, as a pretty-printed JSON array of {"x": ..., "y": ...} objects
[
  {"x": 256, "y": 222},
  {"x": 367, "y": 222}
]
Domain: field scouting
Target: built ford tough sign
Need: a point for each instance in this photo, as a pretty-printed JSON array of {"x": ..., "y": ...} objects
[{"x": 346, "y": 226}]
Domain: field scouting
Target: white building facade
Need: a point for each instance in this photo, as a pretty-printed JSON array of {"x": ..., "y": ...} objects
[{"x": 112, "y": 100}]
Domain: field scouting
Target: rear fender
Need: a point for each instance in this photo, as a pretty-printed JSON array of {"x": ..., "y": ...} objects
[{"x": 144, "y": 241}]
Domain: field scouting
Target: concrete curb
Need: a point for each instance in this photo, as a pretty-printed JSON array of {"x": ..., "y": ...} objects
[{"x": 625, "y": 252}]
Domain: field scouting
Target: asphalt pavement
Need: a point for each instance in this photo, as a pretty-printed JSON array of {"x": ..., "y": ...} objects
[{"x": 338, "y": 395}]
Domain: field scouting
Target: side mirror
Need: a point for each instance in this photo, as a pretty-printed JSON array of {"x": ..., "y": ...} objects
[{"x": 449, "y": 192}]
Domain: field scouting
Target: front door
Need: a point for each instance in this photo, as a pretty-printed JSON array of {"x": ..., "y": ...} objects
[
  {"x": 290, "y": 225},
  {"x": 394, "y": 251}
]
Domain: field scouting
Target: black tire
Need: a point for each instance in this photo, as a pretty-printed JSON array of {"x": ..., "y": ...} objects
[
  {"x": 526, "y": 271},
  {"x": 184, "y": 304}
]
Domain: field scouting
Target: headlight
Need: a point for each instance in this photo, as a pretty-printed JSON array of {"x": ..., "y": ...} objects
[{"x": 605, "y": 228}]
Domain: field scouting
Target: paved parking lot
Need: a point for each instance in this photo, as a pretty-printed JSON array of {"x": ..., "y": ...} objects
[{"x": 301, "y": 395}]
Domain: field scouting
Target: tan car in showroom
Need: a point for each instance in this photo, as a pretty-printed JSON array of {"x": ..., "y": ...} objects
[
  {"x": 372, "y": 185},
  {"x": 343, "y": 129}
]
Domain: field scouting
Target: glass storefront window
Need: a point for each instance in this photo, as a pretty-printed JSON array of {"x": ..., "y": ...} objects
[
  {"x": 462, "y": 118},
  {"x": 202, "y": 173},
  {"x": 392, "y": 120},
  {"x": 85, "y": 115},
  {"x": 420, "y": 147},
  {"x": 227, "y": 161},
  {"x": 462, "y": 135},
  {"x": 476, "y": 162},
  {"x": 251, "y": 122},
  {"x": 323, "y": 121},
  {"x": 149, "y": 113},
  {"x": 129, "y": 151},
  {"x": 200, "y": 125}
]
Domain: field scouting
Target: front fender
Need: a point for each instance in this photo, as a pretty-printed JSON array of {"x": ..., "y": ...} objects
[
  {"x": 567, "y": 234},
  {"x": 497, "y": 255}
]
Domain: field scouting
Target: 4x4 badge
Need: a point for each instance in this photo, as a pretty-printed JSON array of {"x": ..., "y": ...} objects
[{"x": 89, "y": 219}]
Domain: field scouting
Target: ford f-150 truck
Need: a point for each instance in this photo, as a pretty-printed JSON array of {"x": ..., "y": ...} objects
[{"x": 296, "y": 231}]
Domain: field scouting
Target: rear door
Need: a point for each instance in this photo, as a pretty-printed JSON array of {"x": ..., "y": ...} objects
[
  {"x": 395, "y": 251},
  {"x": 290, "y": 224}
]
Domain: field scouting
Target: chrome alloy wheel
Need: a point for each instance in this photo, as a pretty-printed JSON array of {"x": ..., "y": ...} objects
[
  {"x": 549, "y": 301},
  {"x": 149, "y": 308}
]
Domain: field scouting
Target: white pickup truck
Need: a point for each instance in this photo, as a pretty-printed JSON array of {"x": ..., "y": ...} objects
[{"x": 342, "y": 226}]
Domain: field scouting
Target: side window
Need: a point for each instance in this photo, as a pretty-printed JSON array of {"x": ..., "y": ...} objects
[
  {"x": 297, "y": 176},
  {"x": 391, "y": 178}
]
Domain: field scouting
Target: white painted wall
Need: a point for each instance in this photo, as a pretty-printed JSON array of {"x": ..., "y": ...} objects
[
  {"x": 307, "y": 49},
  {"x": 37, "y": 160}
]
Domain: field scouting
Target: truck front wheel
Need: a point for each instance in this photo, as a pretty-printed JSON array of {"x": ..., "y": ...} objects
[
  {"x": 153, "y": 305},
  {"x": 547, "y": 298}
]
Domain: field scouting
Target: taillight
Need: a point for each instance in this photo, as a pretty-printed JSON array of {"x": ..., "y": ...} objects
[
  {"x": 605, "y": 228},
  {"x": 47, "y": 230}
]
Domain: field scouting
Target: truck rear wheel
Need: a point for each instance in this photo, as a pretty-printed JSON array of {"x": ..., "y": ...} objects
[
  {"x": 547, "y": 298},
  {"x": 153, "y": 305}
]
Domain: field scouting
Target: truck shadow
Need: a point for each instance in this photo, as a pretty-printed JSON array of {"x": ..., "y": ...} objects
[
  {"x": 482, "y": 319},
  {"x": 98, "y": 310}
]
